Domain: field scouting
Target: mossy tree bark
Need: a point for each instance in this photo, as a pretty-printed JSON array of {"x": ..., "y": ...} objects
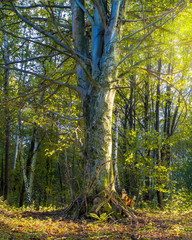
[
  {"x": 97, "y": 83},
  {"x": 98, "y": 143}
]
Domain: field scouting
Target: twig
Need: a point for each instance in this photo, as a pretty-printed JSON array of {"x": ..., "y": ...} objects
[
  {"x": 94, "y": 179},
  {"x": 75, "y": 56},
  {"x": 123, "y": 59}
]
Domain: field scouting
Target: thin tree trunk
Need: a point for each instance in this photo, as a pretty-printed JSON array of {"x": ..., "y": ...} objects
[
  {"x": 27, "y": 166},
  {"x": 29, "y": 170},
  {"x": 16, "y": 142},
  {"x": 68, "y": 176},
  {"x": 59, "y": 172},
  {"x": 2, "y": 178},
  {"x": 125, "y": 127},
  {"x": 7, "y": 183},
  {"x": 158, "y": 155},
  {"x": 168, "y": 130},
  {"x": 146, "y": 129},
  {"x": 117, "y": 181},
  {"x": 132, "y": 82}
]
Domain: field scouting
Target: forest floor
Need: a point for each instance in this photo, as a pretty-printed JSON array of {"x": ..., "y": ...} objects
[{"x": 44, "y": 224}]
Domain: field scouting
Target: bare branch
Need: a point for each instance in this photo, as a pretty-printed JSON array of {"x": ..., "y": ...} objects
[
  {"x": 40, "y": 30},
  {"x": 32, "y": 59},
  {"x": 47, "y": 78},
  {"x": 6, "y": 8},
  {"x": 39, "y": 5},
  {"x": 46, "y": 19},
  {"x": 141, "y": 19},
  {"x": 95, "y": 177},
  {"x": 36, "y": 42},
  {"x": 63, "y": 117},
  {"x": 29, "y": 93},
  {"x": 123, "y": 59},
  {"x": 75, "y": 56},
  {"x": 164, "y": 15},
  {"x": 25, "y": 71},
  {"x": 153, "y": 23}
]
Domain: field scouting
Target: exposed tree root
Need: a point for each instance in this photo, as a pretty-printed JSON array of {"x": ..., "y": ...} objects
[
  {"x": 119, "y": 204},
  {"x": 103, "y": 202}
]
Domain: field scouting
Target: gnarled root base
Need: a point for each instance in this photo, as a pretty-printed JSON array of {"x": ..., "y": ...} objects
[{"x": 105, "y": 201}]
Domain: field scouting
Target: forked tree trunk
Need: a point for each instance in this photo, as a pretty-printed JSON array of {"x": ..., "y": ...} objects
[{"x": 96, "y": 84}]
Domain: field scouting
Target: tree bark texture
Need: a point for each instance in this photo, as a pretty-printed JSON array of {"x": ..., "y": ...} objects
[{"x": 98, "y": 143}]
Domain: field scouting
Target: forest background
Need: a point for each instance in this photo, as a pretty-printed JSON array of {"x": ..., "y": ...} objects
[{"x": 53, "y": 57}]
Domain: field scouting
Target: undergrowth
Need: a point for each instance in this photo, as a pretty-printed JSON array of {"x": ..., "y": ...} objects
[{"x": 48, "y": 223}]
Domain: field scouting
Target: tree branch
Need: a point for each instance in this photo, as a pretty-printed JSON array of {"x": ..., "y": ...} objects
[
  {"x": 36, "y": 42},
  {"x": 75, "y": 56},
  {"x": 101, "y": 12},
  {"x": 39, "y": 5},
  {"x": 46, "y": 19},
  {"x": 114, "y": 14},
  {"x": 32, "y": 59},
  {"x": 63, "y": 117},
  {"x": 153, "y": 23},
  {"x": 40, "y": 30},
  {"x": 126, "y": 37},
  {"x": 47, "y": 78},
  {"x": 85, "y": 11},
  {"x": 123, "y": 59},
  {"x": 140, "y": 19}
]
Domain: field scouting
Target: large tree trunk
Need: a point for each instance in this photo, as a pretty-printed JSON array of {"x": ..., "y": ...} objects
[
  {"x": 98, "y": 121},
  {"x": 97, "y": 86},
  {"x": 97, "y": 81}
]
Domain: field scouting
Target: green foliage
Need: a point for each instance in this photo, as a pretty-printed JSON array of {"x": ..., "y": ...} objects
[
  {"x": 102, "y": 218},
  {"x": 181, "y": 201},
  {"x": 38, "y": 102}
]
